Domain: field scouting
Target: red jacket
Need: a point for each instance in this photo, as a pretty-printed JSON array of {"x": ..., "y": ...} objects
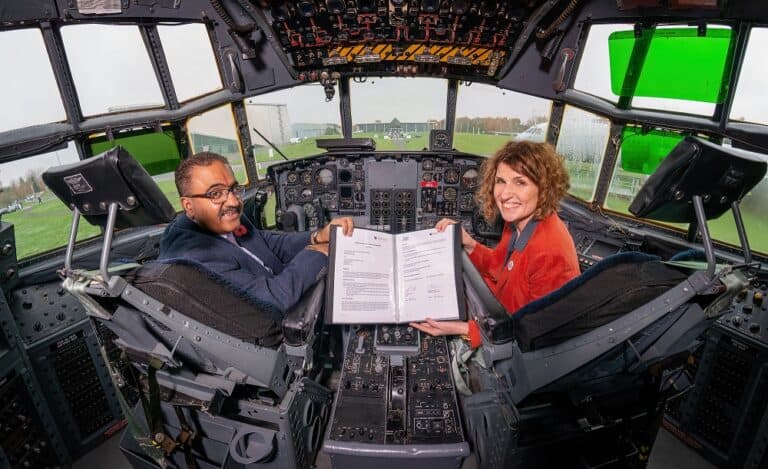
[{"x": 545, "y": 264}]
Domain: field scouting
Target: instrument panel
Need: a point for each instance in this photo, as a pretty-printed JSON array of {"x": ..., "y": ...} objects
[{"x": 394, "y": 192}]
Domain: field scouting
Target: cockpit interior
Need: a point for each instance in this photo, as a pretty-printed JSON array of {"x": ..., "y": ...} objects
[{"x": 384, "y": 111}]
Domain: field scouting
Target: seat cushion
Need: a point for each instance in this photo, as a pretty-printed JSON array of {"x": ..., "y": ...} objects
[
  {"x": 199, "y": 294},
  {"x": 610, "y": 289}
]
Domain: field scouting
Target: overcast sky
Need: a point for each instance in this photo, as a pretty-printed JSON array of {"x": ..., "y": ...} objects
[{"x": 115, "y": 73}]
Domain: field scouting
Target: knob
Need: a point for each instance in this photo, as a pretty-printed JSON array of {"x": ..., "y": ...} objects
[
  {"x": 757, "y": 299},
  {"x": 335, "y": 6},
  {"x": 737, "y": 321},
  {"x": 459, "y": 7},
  {"x": 306, "y": 9},
  {"x": 289, "y": 220},
  {"x": 754, "y": 328}
]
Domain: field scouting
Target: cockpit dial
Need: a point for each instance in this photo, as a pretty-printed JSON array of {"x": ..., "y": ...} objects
[
  {"x": 427, "y": 165},
  {"x": 469, "y": 178},
  {"x": 441, "y": 141},
  {"x": 306, "y": 178},
  {"x": 466, "y": 203},
  {"x": 292, "y": 177},
  {"x": 291, "y": 195},
  {"x": 451, "y": 176},
  {"x": 325, "y": 177},
  {"x": 306, "y": 194},
  {"x": 450, "y": 193}
]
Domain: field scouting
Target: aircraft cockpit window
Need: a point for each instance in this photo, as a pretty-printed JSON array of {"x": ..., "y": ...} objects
[
  {"x": 41, "y": 222},
  {"x": 398, "y": 114},
  {"x": 582, "y": 141},
  {"x": 487, "y": 117},
  {"x": 28, "y": 92},
  {"x": 188, "y": 51},
  {"x": 748, "y": 102},
  {"x": 114, "y": 75},
  {"x": 753, "y": 212},
  {"x": 215, "y": 131},
  {"x": 292, "y": 120},
  {"x": 682, "y": 71},
  {"x": 641, "y": 152},
  {"x": 158, "y": 152}
]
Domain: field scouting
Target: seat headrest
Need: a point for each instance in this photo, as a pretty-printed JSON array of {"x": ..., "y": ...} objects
[
  {"x": 113, "y": 176},
  {"x": 720, "y": 175}
]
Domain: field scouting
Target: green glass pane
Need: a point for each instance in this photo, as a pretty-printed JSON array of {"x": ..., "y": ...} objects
[
  {"x": 679, "y": 64},
  {"x": 157, "y": 152},
  {"x": 642, "y": 151}
]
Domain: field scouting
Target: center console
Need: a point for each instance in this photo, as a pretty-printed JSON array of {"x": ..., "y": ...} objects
[{"x": 396, "y": 403}]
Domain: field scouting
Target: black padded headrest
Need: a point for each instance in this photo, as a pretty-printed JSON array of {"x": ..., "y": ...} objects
[
  {"x": 720, "y": 175},
  {"x": 113, "y": 176}
]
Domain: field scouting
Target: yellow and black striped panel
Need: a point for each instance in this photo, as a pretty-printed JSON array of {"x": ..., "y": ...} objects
[{"x": 476, "y": 56}]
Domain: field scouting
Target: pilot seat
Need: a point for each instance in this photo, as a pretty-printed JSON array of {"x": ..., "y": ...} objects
[
  {"x": 580, "y": 377},
  {"x": 223, "y": 379}
]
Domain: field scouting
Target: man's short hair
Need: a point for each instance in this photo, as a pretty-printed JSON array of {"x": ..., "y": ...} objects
[{"x": 183, "y": 174}]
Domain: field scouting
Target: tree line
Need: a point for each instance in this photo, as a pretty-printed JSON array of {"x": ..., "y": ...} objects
[
  {"x": 494, "y": 125},
  {"x": 31, "y": 183}
]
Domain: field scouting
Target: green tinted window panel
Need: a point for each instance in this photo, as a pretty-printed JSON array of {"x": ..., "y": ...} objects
[
  {"x": 642, "y": 151},
  {"x": 679, "y": 64},
  {"x": 157, "y": 152}
]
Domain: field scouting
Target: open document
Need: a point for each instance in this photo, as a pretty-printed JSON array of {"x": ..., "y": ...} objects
[{"x": 386, "y": 278}]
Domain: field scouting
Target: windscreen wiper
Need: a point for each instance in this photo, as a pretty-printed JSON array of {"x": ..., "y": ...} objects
[{"x": 270, "y": 143}]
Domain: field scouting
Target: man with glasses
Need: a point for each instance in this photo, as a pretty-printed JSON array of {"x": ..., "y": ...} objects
[{"x": 276, "y": 268}]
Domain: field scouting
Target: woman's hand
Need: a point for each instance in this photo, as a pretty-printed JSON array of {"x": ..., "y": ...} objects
[
  {"x": 324, "y": 235},
  {"x": 432, "y": 327},
  {"x": 466, "y": 240}
]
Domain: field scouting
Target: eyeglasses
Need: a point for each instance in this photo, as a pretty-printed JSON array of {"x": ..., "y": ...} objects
[{"x": 219, "y": 196}]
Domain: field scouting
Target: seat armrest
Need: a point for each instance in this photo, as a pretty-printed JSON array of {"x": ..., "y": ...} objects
[
  {"x": 495, "y": 323},
  {"x": 299, "y": 321}
]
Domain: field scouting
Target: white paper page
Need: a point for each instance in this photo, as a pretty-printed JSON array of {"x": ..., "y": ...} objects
[
  {"x": 363, "y": 278},
  {"x": 427, "y": 282}
]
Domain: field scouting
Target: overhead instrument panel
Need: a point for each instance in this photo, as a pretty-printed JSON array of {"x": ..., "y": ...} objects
[
  {"x": 394, "y": 192},
  {"x": 398, "y": 36}
]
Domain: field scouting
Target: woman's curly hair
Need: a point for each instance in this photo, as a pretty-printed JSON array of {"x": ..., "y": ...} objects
[{"x": 537, "y": 161}]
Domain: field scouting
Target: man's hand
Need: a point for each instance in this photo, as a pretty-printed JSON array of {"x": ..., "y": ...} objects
[
  {"x": 432, "y": 327},
  {"x": 466, "y": 240},
  {"x": 318, "y": 247},
  {"x": 346, "y": 224}
]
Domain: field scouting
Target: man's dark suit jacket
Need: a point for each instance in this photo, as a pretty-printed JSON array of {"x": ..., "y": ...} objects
[{"x": 294, "y": 269}]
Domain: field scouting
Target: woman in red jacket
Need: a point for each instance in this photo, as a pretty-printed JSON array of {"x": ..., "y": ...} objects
[{"x": 524, "y": 183}]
